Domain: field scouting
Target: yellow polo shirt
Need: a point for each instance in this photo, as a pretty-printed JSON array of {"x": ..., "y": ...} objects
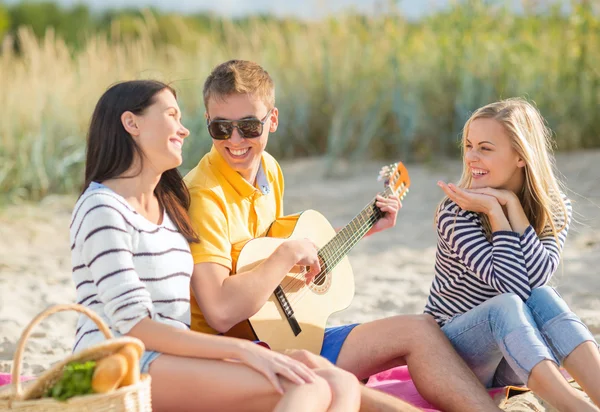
[{"x": 226, "y": 211}]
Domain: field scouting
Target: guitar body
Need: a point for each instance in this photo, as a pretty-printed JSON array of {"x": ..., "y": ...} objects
[
  {"x": 295, "y": 315},
  {"x": 312, "y": 305}
]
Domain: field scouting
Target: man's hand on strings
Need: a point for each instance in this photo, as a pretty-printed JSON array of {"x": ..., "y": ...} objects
[
  {"x": 390, "y": 207},
  {"x": 305, "y": 254}
]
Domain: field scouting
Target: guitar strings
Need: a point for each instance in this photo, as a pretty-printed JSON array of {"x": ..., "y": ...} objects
[
  {"x": 330, "y": 261},
  {"x": 328, "y": 258},
  {"x": 334, "y": 261},
  {"x": 336, "y": 257},
  {"x": 299, "y": 279},
  {"x": 293, "y": 282}
]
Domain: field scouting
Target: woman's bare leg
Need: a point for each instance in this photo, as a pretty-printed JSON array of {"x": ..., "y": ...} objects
[
  {"x": 345, "y": 389},
  {"x": 190, "y": 384},
  {"x": 584, "y": 366},
  {"x": 308, "y": 397},
  {"x": 546, "y": 381}
]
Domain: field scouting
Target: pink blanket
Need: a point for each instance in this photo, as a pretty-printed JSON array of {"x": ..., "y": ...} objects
[
  {"x": 397, "y": 382},
  {"x": 5, "y": 378}
]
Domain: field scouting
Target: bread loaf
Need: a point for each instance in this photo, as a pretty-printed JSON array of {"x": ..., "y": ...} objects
[
  {"x": 109, "y": 373},
  {"x": 131, "y": 354}
]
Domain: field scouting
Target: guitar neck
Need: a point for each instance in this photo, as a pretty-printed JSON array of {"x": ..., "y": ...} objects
[{"x": 338, "y": 247}]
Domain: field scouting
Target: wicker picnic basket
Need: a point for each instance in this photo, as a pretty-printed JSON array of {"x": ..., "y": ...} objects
[{"x": 28, "y": 397}]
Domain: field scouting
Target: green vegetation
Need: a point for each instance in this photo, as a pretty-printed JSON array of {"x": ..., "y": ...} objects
[
  {"x": 347, "y": 87},
  {"x": 75, "y": 381}
]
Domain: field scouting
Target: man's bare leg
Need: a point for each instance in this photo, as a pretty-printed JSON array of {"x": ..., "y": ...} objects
[
  {"x": 371, "y": 400},
  {"x": 439, "y": 374}
]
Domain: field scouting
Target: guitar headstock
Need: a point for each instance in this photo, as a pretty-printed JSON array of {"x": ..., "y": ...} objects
[{"x": 395, "y": 176}]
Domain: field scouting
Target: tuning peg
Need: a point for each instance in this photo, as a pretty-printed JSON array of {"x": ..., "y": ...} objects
[{"x": 384, "y": 173}]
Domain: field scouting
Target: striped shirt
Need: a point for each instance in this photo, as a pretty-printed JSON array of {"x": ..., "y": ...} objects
[
  {"x": 126, "y": 268},
  {"x": 469, "y": 269}
]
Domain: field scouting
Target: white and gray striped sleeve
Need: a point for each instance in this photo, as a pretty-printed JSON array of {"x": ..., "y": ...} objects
[
  {"x": 500, "y": 263},
  {"x": 105, "y": 243}
]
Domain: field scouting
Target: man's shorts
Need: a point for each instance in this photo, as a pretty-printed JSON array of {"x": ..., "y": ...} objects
[{"x": 334, "y": 339}]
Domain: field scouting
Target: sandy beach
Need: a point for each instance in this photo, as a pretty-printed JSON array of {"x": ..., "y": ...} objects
[{"x": 393, "y": 269}]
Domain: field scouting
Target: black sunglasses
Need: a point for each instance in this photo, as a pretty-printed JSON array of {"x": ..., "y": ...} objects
[{"x": 247, "y": 128}]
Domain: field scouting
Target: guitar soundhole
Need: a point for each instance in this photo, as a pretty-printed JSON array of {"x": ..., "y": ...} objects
[
  {"x": 320, "y": 280},
  {"x": 320, "y": 284}
]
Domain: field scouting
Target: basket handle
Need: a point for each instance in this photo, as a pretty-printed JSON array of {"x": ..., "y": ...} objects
[{"x": 18, "y": 359}]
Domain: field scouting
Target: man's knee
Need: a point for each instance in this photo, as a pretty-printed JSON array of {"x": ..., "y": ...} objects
[
  {"x": 420, "y": 327},
  {"x": 425, "y": 322}
]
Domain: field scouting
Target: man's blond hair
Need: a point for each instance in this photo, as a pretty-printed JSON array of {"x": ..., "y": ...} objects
[{"x": 239, "y": 77}]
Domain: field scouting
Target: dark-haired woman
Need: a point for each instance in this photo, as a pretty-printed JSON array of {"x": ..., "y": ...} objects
[{"x": 132, "y": 265}]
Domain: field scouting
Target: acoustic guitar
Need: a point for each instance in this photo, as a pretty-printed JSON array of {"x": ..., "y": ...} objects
[{"x": 295, "y": 315}]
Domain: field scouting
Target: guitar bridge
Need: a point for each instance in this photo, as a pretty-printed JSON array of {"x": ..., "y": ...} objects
[{"x": 287, "y": 310}]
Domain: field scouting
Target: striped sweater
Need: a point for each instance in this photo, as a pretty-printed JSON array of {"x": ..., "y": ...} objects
[
  {"x": 469, "y": 269},
  {"x": 126, "y": 268}
]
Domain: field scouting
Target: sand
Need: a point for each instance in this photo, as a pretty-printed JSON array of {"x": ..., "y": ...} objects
[{"x": 393, "y": 269}]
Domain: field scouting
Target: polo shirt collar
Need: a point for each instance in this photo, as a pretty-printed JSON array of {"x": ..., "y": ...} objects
[{"x": 238, "y": 183}]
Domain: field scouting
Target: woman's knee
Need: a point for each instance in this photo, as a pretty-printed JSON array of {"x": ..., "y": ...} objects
[
  {"x": 504, "y": 303},
  {"x": 320, "y": 388},
  {"x": 338, "y": 378},
  {"x": 545, "y": 303},
  {"x": 341, "y": 383},
  {"x": 308, "y": 358},
  {"x": 543, "y": 295}
]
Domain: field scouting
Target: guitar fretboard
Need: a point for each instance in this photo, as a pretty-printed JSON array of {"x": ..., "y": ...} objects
[{"x": 338, "y": 247}]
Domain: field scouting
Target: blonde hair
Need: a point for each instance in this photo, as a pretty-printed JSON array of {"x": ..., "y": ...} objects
[
  {"x": 239, "y": 77},
  {"x": 541, "y": 195}
]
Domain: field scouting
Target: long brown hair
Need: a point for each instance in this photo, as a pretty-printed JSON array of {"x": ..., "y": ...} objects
[{"x": 111, "y": 150}]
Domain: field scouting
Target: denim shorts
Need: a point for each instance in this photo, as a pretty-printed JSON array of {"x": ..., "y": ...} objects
[{"x": 147, "y": 359}]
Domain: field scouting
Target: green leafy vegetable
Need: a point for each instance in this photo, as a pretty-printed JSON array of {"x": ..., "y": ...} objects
[{"x": 76, "y": 380}]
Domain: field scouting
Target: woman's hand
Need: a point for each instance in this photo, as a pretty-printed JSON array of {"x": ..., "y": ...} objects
[
  {"x": 504, "y": 197},
  {"x": 470, "y": 200},
  {"x": 273, "y": 365},
  {"x": 512, "y": 206}
]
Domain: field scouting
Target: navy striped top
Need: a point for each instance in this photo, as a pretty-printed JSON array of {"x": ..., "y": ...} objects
[
  {"x": 470, "y": 269},
  {"x": 126, "y": 268}
]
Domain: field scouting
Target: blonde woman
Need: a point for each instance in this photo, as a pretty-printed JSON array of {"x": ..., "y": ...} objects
[{"x": 501, "y": 231}]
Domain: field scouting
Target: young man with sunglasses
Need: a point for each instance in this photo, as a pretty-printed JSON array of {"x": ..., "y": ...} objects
[{"x": 236, "y": 193}]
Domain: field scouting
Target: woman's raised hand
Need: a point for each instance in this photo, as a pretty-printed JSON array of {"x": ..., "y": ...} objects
[
  {"x": 503, "y": 196},
  {"x": 470, "y": 200}
]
